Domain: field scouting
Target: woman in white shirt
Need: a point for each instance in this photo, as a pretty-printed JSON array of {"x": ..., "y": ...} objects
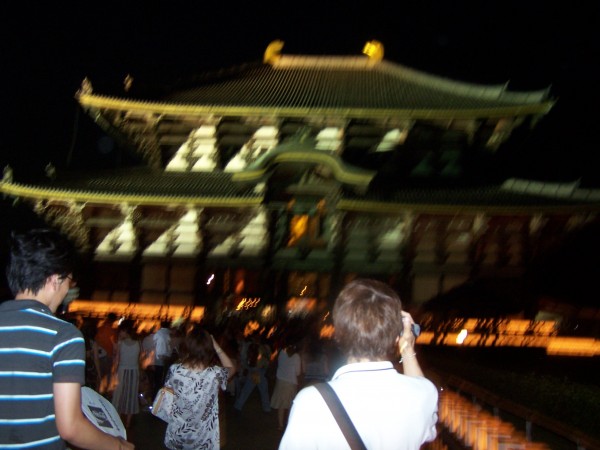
[
  {"x": 289, "y": 367},
  {"x": 390, "y": 410}
]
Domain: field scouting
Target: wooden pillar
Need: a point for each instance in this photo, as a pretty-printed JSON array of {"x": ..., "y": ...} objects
[
  {"x": 407, "y": 255},
  {"x": 337, "y": 239},
  {"x": 477, "y": 248},
  {"x": 135, "y": 278},
  {"x": 167, "y": 291}
]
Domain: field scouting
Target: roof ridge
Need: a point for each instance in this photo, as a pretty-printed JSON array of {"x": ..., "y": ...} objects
[
  {"x": 323, "y": 61},
  {"x": 420, "y": 77}
]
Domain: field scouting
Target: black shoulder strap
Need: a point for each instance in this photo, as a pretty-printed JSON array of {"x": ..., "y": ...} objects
[{"x": 341, "y": 416}]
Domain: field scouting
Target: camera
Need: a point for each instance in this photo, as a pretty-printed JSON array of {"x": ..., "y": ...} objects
[{"x": 415, "y": 328}]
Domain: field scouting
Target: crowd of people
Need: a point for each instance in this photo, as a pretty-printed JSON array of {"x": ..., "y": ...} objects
[
  {"x": 129, "y": 368},
  {"x": 201, "y": 363}
]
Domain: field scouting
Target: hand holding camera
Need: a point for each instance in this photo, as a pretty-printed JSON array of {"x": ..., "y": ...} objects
[
  {"x": 407, "y": 340},
  {"x": 407, "y": 321}
]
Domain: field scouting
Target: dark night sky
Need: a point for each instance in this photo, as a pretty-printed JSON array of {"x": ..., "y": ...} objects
[{"x": 49, "y": 47}]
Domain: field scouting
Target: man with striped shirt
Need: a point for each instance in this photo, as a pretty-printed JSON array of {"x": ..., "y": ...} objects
[{"x": 42, "y": 358}]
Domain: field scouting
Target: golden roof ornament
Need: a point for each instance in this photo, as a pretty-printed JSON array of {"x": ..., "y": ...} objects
[
  {"x": 127, "y": 82},
  {"x": 7, "y": 174},
  {"x": 86, "y": 86},
  {"x": 273, "y": 52},
  {"x": 374, "y": 50},
  {"x": 50, "y": 171}
]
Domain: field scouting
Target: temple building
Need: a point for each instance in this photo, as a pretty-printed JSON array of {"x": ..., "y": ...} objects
[{"x": 274, "y": 182}]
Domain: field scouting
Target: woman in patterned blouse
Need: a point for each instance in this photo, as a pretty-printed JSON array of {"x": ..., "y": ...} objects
[{"x": 196, "y": 383}]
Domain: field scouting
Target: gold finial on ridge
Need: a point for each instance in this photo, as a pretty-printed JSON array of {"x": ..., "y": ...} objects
[
  {"x": 273, "y": 52},
  {"x": 374, "y": 50}
]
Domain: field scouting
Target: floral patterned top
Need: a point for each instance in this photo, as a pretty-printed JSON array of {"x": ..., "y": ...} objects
[{"x": 195, "y": 421}]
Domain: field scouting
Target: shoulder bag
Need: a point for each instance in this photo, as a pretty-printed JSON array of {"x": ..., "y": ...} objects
[
  {"x": 341, "y": 416},
  {"x": 162, "y": 406}
]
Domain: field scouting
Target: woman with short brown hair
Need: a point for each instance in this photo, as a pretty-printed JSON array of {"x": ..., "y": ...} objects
[
  {"x": 389, "y": 409},
  {"x": 196, "y": 382},
  {"x": 367, "y": 319}
]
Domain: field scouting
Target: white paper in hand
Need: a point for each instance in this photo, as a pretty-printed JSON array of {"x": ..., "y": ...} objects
[{"x": 101, "y": 413}]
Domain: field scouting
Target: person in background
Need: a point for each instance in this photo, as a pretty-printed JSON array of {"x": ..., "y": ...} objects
[
  {"x": 315, "y": 363},
  {"x": 255, "y": 365},
  {"x": 196, "y": 383},
  {"x": 162, "y": 352},
  {"x": 176, "y": 336},
  {"x": 106, "y": 339},
  {"x": 147, "y": 361},
  {"x": 43, "y": 357},
  {"x": 388, "y": 409},
  {"x": 93, "y": 353},
  {"x": 289, "y": 368},
  {"x": 127, "y": 359},
  {"x": 229, "y": 342}
]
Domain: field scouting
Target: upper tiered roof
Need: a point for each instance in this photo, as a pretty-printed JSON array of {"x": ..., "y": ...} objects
[
  {"x": 350, "y": 86},
  {"x": 348, "y": 83}
]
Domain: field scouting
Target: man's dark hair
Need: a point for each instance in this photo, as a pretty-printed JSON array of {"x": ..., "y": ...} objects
[
  {"x": 36, "y": 255},
  {"x": 367, "y": 319}
]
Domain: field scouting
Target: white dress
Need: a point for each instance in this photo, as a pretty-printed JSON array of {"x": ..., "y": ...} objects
[
  {"x": 195, "y": 415},
  {"x": 125, "y": 398}
]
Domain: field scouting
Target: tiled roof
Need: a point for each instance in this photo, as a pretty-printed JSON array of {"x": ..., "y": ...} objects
[
  {"x": 143, "y": 181},
  {"x": 472, "y": 197},
  {"x": 140, "y": 183},
  {"x": 344, "y": 82}
]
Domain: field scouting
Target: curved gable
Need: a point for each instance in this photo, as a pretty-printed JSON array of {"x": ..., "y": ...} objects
[{"x": 302, "y": 154}]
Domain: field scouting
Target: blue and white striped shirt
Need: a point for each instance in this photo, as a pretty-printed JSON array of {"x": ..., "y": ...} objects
[{"x": 36, "y": 351}]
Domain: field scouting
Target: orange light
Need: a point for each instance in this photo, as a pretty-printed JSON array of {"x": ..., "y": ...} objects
[
  {"x": 137, "y": 311},
  {"x": 298, "y": 227}
]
